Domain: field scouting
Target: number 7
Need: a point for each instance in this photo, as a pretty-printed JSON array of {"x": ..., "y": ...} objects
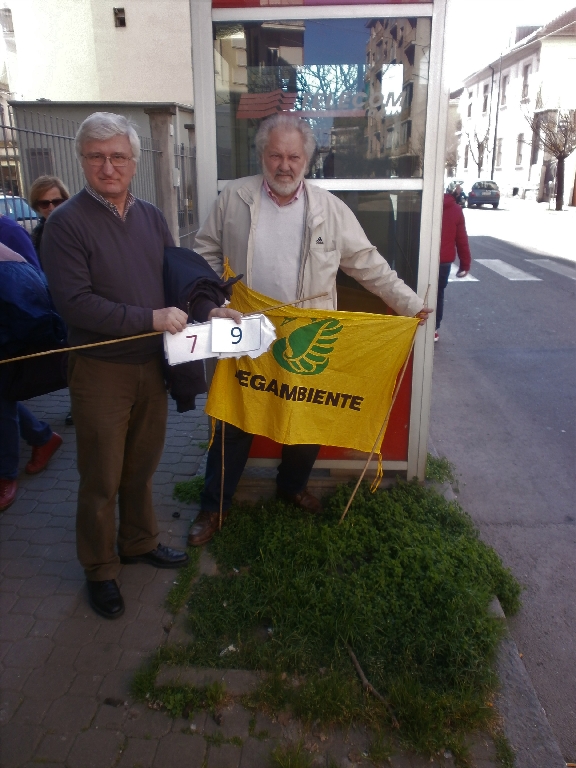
[{"x": 193, "y": 343}]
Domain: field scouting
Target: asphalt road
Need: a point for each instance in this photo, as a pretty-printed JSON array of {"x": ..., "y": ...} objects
[{"x": 503, "y": 412}]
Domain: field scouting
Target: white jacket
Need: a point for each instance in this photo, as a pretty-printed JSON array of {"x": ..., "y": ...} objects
[{"x": 333, "y": 238}]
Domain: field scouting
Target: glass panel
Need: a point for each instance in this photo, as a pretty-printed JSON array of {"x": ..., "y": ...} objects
[
  {"x": 391, "y": 221},
  {"x": 361, "y": 83}
]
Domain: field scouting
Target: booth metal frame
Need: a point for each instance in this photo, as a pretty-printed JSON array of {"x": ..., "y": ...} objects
[{"x": 431, "y": 184}]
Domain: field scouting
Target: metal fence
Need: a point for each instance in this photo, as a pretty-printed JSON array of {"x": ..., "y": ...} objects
[
  {"x": 33, "y": 144},
  {"x": 185, "y": 162}
]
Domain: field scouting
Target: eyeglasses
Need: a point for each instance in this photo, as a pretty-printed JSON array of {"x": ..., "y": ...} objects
[
  {"x": 96, "y": 159},
  {"x": 44, "y": 204}
]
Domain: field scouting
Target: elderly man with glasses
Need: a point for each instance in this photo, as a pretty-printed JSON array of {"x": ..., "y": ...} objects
[{"x": 103, "y": 255}]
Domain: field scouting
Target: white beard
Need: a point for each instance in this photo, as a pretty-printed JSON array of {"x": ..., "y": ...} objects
[{"x": 283, "y": 188}]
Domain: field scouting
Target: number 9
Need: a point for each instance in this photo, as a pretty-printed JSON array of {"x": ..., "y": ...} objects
[{"x": 236, "y": 334}]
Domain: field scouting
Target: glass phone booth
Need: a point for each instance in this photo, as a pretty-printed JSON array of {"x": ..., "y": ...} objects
[{"x": 368, "y": 78}]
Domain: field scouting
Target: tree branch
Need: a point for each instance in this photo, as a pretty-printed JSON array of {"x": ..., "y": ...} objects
[{"x": 367, "y": 685}]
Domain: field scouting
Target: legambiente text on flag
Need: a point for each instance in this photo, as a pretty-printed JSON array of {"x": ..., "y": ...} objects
[{"x": 328, "y": 378}]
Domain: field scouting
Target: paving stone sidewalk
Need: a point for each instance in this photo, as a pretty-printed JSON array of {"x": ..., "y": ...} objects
[{"x": 65, "y": 672}]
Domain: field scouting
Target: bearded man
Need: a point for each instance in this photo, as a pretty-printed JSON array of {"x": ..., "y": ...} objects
[{"x": 289, "y": 238}]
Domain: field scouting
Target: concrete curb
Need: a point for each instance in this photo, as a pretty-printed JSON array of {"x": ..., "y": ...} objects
[{"x": 524, "y": 720}]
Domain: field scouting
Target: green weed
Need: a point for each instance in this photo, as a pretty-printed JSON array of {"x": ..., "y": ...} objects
[
  {"x": 218, "y": 739},
  {"x": 291, "y": 756},
  {"x": 180, "y": 590},
  {"x": 380, "y": 749},
  {"x": 189, "y": 491},
  {"x": 504, "y": 752},
  {"x": 439, "y": 470}
]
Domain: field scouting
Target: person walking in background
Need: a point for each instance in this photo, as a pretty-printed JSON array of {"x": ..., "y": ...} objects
[
  {"x": 46, "y": 194},
  {"x": 454, "y": 240},
  {"x": 27, "y": 317},
  {"x": 103, "y": 252}
]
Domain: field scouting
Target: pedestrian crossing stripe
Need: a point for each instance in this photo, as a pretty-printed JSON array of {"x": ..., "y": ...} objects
[
  {"x": 507, "y": 270},
  {"x": 560, "y": 269},
  {"x": 453, "y": 279},
  {"x": 512, "y": 273}
]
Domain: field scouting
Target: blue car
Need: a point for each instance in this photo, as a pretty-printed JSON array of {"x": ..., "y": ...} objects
[
  {"x": 17, "y": 209},
  {"x": 484, "y": 192}
]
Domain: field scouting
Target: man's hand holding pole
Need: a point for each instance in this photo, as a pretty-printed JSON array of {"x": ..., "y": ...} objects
[{"x": 169, "y": 319}]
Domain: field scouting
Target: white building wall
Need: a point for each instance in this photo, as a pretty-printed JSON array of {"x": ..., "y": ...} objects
[
  {"x": 558, "y": 72},
  {"x": 70, "y": 50},
  {"x": 55, "y": 50}
]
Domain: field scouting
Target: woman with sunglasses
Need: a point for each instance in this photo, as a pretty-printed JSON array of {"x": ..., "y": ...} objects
[{"x": 46, "y": 194}]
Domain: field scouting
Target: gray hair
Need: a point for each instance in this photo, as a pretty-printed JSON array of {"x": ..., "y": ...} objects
[
  {"x": 285, "y": 122},
  {"x": 101, "y": 126}
]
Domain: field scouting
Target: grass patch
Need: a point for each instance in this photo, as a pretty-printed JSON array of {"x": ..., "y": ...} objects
[
  {"x": 218, "y": 739},
  {"x": 290, "y": 756},
  {"x": 180, "y": 590},
  {"x": 175, "y": 700},
  {"x": 504, "y": 752},
  {"x": 439, "y": 469},
  {"x": 189, "y": 491},
  {"x": 380, "y": 749},
  {"x": 404, "y": 581}
]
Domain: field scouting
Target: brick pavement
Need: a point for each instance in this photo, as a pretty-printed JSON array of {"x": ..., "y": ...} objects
[{"x": 65, "y": 672}]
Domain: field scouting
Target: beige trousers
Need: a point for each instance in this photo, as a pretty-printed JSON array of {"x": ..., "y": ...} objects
[{"x": 120, "y": 416}]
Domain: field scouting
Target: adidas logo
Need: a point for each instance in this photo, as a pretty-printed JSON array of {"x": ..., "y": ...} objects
[{"x": 319, "y": 241}]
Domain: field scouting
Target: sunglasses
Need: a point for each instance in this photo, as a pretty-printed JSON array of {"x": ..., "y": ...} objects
[{"x": 44, "y": 204}]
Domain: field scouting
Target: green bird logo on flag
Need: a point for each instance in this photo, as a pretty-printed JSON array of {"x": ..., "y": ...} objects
[{"x": 306, "y": 350}]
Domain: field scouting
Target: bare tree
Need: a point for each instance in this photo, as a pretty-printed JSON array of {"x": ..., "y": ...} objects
[
  {"x": 478, "y": 144},
  {"x": 451, "y": 161},
  {"x": 554, "y": 130},
  {"x": 328, "y": 82}
]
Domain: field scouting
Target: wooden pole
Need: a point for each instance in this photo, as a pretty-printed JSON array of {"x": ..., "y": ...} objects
[
  {"x": 288, "y": 304},
  {"x": 222, "y": 476},
  {"x": 82, "y": 346},
  {"x": 381, "y": 433}
]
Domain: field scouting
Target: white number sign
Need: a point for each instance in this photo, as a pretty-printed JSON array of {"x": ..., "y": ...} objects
[{"x": 227, "y": 336}]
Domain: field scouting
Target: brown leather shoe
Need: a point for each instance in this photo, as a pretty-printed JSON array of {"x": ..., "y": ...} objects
[
  {"x": 304, "y": 500},
  {"x": 41, "y": 455},
  {"x": 8, "y": 490},
  {"x": 204, "y": 528}
]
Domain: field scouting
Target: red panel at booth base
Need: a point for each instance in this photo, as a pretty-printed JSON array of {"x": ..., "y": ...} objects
[{"x": 394, "y": 446}]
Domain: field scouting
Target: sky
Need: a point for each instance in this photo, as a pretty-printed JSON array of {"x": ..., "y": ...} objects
[{"x": 477, "y": 32}]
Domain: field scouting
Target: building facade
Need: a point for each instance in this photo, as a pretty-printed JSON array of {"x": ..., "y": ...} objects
[
  {"x": 88, "y": 50},
  {"x": 495, "y": 140}
]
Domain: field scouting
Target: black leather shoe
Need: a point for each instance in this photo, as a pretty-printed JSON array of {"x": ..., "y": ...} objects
[
  {"x": 69, "y": 420},
  {"x": 304, "y": 500},
  {"x": 105, "y": 598},
  {"x": 161, "y": 557}
]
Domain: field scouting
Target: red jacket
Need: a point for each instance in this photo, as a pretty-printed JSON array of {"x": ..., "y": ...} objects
[{"x": 454, "y": 237}]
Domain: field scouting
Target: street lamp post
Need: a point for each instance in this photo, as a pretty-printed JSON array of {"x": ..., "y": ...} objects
[{"x": 496, "y": 121}]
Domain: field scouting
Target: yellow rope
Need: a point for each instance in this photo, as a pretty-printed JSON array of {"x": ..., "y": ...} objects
[{"x": 146, "y": 335}]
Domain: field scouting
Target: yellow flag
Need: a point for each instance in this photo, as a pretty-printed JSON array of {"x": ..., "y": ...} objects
[{"x": 328, "y": 378}]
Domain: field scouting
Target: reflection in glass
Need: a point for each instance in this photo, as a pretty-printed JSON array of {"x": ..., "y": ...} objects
[
  {"x": 361, "y": 83},
  {"x": 391, "y": 221}
]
